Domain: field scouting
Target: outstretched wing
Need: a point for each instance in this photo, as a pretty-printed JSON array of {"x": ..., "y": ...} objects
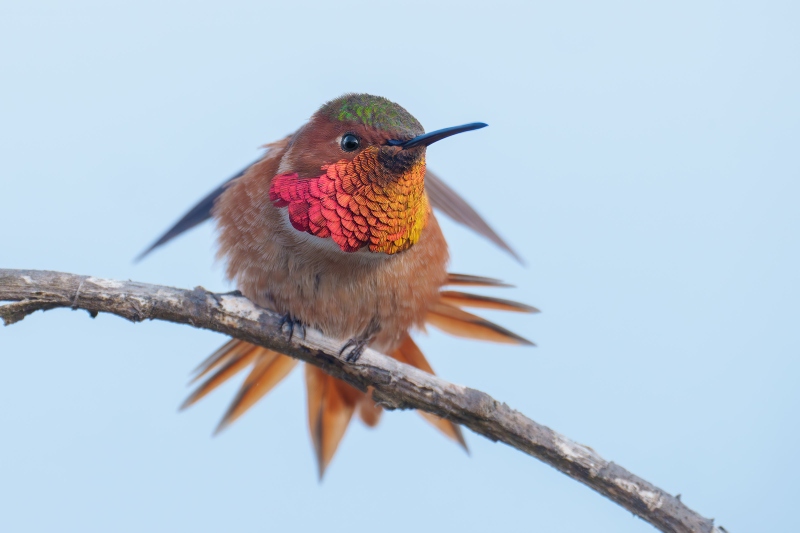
[
  {"x": 440, "y": 194},
  {"x": 196, "y": 215},
  {"x": 448, "y": 201}
]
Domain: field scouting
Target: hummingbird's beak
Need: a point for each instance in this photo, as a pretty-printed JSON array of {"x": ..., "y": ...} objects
[{"x": 427, "y": 139}]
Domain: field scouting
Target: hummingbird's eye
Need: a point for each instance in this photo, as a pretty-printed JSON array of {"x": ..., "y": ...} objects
[{"x": 350, "y": 142}]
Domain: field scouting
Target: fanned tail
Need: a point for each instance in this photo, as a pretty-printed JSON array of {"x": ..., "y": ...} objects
[{"x": 331, "y": 402}]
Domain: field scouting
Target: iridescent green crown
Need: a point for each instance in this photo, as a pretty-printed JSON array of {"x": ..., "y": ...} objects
[{"x": 374, "y": 111}]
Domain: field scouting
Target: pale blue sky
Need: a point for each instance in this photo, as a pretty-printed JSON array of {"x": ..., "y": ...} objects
[{"x": 642, "y": 157}]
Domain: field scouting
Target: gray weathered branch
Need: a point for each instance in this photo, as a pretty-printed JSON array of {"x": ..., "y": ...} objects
[{"x": 396, "y": 385}]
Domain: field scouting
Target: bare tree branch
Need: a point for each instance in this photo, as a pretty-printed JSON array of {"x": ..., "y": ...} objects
[{"x": 396, "y": 385}]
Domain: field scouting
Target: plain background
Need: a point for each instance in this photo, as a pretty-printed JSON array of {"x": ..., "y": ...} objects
[{"x": 641, "y": 156}]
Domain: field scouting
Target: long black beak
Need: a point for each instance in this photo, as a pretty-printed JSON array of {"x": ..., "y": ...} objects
[{"x": 427, "y": 139}]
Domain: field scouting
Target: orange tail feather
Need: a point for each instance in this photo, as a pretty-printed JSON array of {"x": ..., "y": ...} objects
[
  {"x": 369, "y": 412},
  {"x": 330, "y": 408},
  {"x": 237, "y": 359},
  {"x": 462, "y": 324},
  {"x": 463, "y": 299},
  {"x": 409, "y": 353},
  {"x": 230, "y": 350},
  {"x": 476, "y": 281},
  {"x": 269, "y": 370}
]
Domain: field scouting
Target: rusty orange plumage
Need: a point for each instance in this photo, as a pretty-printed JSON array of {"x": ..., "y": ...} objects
[{"x": 334, "y": 228}]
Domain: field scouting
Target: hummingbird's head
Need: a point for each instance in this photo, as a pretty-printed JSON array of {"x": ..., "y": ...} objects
[{"x": 355, "y": 173}]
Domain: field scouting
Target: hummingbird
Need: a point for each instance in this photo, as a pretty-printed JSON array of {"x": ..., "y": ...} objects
[{"x": 334, "y": 229}]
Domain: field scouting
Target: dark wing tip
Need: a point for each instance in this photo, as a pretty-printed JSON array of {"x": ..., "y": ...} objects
[
  {"x": 443, "y": 197},
  {"x": 196, "y": 215}
]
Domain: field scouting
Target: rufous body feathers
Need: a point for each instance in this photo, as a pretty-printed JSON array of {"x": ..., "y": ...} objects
[{"x": 334, "y": 229}]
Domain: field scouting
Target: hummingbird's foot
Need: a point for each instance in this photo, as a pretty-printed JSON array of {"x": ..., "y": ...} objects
[
  {"x": 290, "y": 323},
  {"x": 357, "y": 344},
  {"x": 357, "y": 348}
]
